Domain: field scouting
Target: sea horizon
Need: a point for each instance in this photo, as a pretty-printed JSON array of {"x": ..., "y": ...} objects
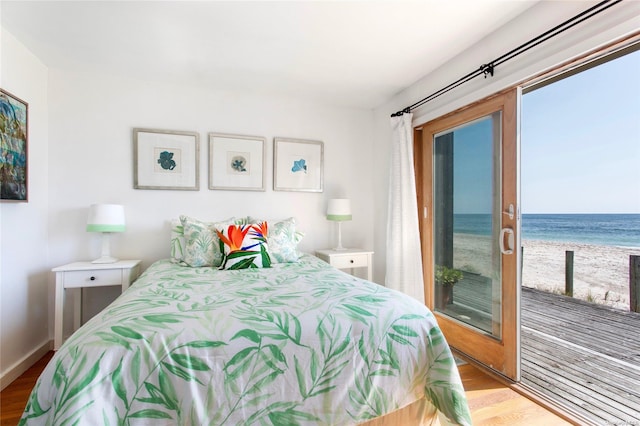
[{"x": 609, "y": 229}]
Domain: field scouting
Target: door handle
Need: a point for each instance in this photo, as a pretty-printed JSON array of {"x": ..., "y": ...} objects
[
  {"x": 511, "y": 212},
  {"x": 511, "y": 238}
]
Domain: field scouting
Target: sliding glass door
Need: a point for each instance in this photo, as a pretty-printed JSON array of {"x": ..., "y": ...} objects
[{"x": 470, "y": 229}]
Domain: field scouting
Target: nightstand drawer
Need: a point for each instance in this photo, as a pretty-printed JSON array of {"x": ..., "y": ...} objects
[
  {"x": 95, "y": 278},
  {"x": 350, "y": 261},
  {"x": 353, "y": 259}
]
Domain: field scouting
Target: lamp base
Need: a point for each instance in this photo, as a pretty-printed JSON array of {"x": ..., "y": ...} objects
[
  {"x": 339, "y": 248},
  {"x": 105, "y": 259},
  {"x": 105, "y": 256}
]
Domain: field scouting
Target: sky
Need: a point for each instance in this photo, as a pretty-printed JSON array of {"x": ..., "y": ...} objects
[
  {"x": 580, "y": 142},
  {"x": 472, "y": 175},
  {"x": 580, "y": 146}
]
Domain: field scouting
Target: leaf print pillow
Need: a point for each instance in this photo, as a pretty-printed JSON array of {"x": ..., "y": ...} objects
[
  {"x": 177, "y": 242},
  {"x": 283, "y": 240},
  {"x": 245, "y": 246},
  {"x": 202, "y": 247}
]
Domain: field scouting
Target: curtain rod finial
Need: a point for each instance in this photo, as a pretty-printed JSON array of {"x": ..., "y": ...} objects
[{"x": 407, "y": 110}]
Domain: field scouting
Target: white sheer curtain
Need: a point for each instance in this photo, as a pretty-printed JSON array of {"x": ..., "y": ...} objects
[{"x": 404, "y": 260}]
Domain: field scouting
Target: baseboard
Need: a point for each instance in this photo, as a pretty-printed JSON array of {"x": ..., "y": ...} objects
[{"x": 23, "y": 365}]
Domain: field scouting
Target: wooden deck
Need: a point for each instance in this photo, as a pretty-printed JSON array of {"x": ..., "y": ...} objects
[{"x": 584, "y": 356}]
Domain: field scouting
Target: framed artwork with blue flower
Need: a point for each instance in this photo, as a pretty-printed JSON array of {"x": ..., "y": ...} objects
[
  {"x": 166, "y": 159},
  {"x": 298, "y": 165},
  {"x": 236, "y": 162}
]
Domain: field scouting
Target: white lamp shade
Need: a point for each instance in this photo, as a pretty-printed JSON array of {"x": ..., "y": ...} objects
[
  {"x": 339, "y": 210},
  {"x": 106, "y": 218}
]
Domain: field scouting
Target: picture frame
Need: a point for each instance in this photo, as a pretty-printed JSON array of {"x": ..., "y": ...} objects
[
  {"x": 166, "y": 159},
  {"x": 14, "y": 148},
  {"x": 236, "y": 162},
  {"x": 298, "y": 165}
]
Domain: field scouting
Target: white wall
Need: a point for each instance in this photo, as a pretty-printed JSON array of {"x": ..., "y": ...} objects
[
  {"x": 81, "y": 152},
  {"x": 618, "y": 21},
  {"x": 24, "y": 293},
  {"x": 90, "y": 158}
]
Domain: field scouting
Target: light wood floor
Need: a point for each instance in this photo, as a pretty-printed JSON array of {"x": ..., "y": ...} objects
[
  {"x": 491, "y": 402},
  {"x": 14, "y": 397}
]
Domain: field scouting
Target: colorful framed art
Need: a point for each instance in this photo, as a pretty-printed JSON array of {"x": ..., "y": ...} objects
[{"x": 14, "y": 137}]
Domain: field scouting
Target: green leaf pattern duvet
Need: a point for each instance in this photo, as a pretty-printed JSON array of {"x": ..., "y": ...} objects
[{"x": 297, "y": 344}]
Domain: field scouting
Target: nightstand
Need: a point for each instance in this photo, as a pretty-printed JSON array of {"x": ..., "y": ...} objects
[
  {"x": 348, "y": 258},
  {"x": 79, "y": 275}
]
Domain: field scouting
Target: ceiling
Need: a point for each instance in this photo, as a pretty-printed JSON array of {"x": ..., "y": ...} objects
[{"x": 348, "y": 53}]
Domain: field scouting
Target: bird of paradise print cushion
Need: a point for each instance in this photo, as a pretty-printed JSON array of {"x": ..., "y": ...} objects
[{"x": 245, "y": 246}]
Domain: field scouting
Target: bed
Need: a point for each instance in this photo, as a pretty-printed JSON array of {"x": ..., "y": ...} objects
[{"x": 294, "y": 343}]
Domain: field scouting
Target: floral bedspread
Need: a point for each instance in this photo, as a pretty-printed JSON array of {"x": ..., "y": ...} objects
[{"x": 297, "y": 344}]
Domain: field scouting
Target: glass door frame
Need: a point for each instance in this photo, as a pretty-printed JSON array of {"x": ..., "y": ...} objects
[{"x": 501, "y": 355}]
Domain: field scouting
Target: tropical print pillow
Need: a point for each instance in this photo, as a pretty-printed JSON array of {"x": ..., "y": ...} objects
[
  {"x": 177, "y": 242},
  {"x": 202, "y": 245},
  {"x": 244, "y": 220},
  {"x": 283, "y": 240},
  {"x": 245, "y": 246}
]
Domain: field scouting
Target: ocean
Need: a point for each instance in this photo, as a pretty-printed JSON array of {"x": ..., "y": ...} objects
[{"x": 600, "y": 229}]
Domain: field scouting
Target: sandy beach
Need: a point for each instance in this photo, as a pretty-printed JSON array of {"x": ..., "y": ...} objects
[{"x": 600, "y": 273}]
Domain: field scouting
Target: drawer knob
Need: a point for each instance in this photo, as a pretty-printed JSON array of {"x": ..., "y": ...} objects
[
  {"x": 351, "y": 261},
  {"x": 92, "y": 278}
]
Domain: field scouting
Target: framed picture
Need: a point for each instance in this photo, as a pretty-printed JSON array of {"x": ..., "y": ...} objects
[
  {"x": 298, "y": 165},
  {"x": 165, "y": 159},
  {"x": 236, "y": 162},
  {"x": 14, "y": 135}
]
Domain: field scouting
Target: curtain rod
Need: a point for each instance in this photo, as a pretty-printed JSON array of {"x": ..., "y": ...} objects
[{"x": 489, "y": 68}]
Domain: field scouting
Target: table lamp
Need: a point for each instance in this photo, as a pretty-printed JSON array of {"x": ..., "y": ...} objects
[
  {"x": 339, "y": 210},
  {"x": 105, "y": 218}
]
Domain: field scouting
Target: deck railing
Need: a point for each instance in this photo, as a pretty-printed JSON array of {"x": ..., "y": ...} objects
[
  {"x": 634, "y": 279},
  {"x": 634, "y": 283}
]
